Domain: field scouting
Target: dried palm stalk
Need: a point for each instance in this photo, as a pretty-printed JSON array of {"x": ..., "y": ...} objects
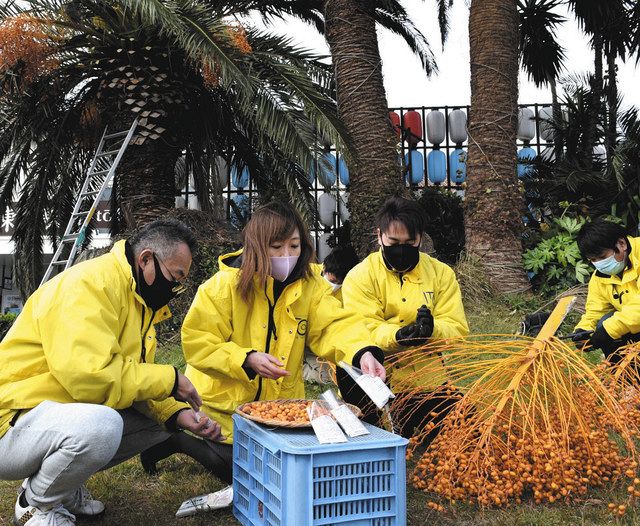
[{"x": 534, "y": 419}]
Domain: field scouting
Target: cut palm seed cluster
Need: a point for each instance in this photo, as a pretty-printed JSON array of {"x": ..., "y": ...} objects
[{"x": 535, "y": 421}]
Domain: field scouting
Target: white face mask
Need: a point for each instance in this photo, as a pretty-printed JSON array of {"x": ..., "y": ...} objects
[
  {"x": 335, "y": 286},
  {"x": 281, "y": 267},
  {"x": 610, "y": 265}
]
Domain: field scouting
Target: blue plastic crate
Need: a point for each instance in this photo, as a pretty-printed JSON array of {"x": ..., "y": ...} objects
[{"x": 284, "y": 477}]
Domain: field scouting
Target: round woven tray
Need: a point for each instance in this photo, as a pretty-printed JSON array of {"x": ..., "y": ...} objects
[{"x": 283, "y": 423}]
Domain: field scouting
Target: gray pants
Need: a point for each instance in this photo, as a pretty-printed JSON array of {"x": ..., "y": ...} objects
[{"x": 59, "y": 446}]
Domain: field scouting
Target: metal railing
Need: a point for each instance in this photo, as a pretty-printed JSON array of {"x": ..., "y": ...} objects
[{"x": 240, "y": 201}]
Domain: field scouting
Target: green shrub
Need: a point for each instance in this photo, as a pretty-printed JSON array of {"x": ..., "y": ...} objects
[
  {"x": 6, "y": 321},
  {"x": 445, "y": 222},
  {"x": 556, "y": 260}
]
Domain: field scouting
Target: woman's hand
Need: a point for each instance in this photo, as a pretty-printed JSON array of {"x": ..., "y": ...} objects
[
  {"x": 369, "y": 365},
  {"x": 266, "y": 365}
]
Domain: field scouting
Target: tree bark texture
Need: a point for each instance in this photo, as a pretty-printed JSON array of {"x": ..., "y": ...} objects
[
  {"x": 493, "y": 201},
  {"x": 146, "y": 182},
  {"x": 596, "y": 96},
  {"x": 362, "y": 105}
]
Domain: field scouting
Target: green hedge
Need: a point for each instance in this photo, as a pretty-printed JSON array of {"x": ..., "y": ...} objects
[{"x": 6, "y": 321}]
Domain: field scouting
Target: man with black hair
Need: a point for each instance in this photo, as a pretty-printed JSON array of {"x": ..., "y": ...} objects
[
  {"x": 79, "y": 389},
  {"x": 613, "y": 299},
  {"x": 407, "y": 299},
  {"x": 337, "y": 265},
  {"x": 334, "y": 268}
]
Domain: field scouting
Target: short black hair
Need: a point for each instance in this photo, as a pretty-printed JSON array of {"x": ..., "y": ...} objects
[
  {"x": 407, "y": 212},
  {"x": 162, "y": 236},
  {"x": 340, "y": 261},
  {"x": 599, "y": 235}
]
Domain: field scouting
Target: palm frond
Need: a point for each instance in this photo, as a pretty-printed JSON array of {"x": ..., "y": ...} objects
[
  {"x": 392, "y": 16},
  {"x": 541, "y": 54},
  {"x": 202, "y": 36}
]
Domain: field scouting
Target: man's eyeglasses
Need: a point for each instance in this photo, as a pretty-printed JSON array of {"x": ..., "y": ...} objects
[{"x": 180, "y": 284}]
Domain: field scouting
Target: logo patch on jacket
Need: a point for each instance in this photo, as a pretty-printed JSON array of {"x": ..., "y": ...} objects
[
  {"x": 302, "y": 327},
  {"x": 428, "y": 298}
]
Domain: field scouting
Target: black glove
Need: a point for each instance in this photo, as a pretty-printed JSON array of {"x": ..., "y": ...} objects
[
  {"x": 532, "y": 323},
  {"x": 425, "y": 320},
  {"x": 581, "y": 337},
  {"x": 600, "y": 339},
  {"x": 418, "y": 332}
]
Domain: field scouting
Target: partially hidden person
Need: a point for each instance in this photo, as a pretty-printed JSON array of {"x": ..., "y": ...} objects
[
  {"x": 334, "y": 269},
  {"x": 337, "y": 265}
]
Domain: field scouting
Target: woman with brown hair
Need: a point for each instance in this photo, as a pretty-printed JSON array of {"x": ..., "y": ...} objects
[{"x": 245, "y": 333}]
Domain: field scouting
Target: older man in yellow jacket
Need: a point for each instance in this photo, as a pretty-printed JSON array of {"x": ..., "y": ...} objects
[
  {"x": 612, "y": 309},
  {"x": 407, "y": 299},
  {"x": 78, "y": 387}
]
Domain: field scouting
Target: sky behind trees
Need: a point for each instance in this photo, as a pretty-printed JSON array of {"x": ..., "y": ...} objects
[{"x": 407, "y": 85}]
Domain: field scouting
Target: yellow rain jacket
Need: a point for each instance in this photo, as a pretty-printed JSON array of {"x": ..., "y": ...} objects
[
  {"x": 618, "y": 295},
  {"x": 220, "y": 329},
  {"x": 387, "y": 304},
  {"x": 85, "y": 336}
]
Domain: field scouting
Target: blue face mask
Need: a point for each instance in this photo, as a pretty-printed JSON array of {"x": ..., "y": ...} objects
[{"x": 609, "y": 265}]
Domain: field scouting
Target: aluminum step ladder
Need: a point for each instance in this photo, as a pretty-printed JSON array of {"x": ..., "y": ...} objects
[{"x": 100, "y": 174}]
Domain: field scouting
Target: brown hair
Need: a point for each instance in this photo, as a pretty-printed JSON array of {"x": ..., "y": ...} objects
[{"x": 272, "y": 222}]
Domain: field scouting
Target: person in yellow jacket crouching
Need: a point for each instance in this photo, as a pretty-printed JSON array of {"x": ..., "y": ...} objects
[
  {"x": 245, "y": 333},
  {"x": 407, "y": 299},
  {"x": 612, "y": 310},
  {"x": 79, "y": 391}
]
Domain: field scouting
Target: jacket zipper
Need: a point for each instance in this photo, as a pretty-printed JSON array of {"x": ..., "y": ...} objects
[
  {"x": 144, "y": 334},
  {"x": 271, "y": 327}
]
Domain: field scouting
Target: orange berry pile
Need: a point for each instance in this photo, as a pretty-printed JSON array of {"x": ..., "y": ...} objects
[
  {"x": 290, "y": 411},
  {"x": 515, "y": 461},
  {"x": 617, "y": 510}
]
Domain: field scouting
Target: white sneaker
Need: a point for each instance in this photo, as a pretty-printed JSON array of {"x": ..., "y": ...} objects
[
  {"x": 212, "y": 501},
  {"x": 32, "y": 516},
  {"x": 80, "y": 503}
]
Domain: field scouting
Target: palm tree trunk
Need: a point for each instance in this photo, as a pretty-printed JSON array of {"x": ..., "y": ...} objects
[
  {"x": 493, "y": 203},
  {"x": 596, "y": 94},
  {"x": 612, "y": 101},
  {"x": 362, "y": 105},
  {"x": 558, "y": 140},
  {"x": 146, "y": 187},
  {"x": 147, "y": 183}
]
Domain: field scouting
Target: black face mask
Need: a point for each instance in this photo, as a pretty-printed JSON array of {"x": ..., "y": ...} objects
[
  {"x": 160, "y": 292},
  {"x": 401, "y": 258}
]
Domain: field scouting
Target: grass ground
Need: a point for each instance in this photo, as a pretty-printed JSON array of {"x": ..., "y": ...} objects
[{"x": 134, "y": 498}]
